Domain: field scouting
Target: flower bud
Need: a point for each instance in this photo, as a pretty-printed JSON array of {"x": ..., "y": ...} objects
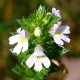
[{"x": 37, "y": 31}]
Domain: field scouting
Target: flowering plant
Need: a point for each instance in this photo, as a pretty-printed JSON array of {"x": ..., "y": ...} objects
[{"x": 39, "y": 43}]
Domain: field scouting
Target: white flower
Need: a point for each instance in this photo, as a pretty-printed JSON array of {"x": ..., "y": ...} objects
[
  {"x": 38, "y": 58},
  {"x": 59, "y": 33},
  {"x": 37, "y": 31},
  {"x": 21, "y": 39},
  {"x": 56, "y": 12}
]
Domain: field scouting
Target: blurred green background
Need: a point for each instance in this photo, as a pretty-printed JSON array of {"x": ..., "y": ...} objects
[{"x": 11, "y": 10}]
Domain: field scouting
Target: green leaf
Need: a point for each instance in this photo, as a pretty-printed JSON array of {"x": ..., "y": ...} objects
[
  {"x": 40, "y": 13},
  {"x": 23, "y": 70},
  {"x": 53, "y": 21},
  {"x": 65, "y": 50},
  {"x": 41, "y": 75},
  {"x": 25, "y": 24}
]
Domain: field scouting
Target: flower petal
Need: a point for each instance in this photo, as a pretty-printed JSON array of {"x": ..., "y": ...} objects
[
  {"x": 58, "y": 40},
  {"x": 38, "y": 66},
  {"x": 14, "y": 39},
  {"x": 66, "y": 30},
  {"x": 19, "y": 30},
  {"x": 25, "y": 46},
  {"x": 59, "y": 23},
  {"x": 30, "y": 61},
  {"x": 17, "y": 48},
  {"x": 65, "y": 38},
  {"x": 23, "y": 33},
  {"x": 38, "y": 50},
  {"x": 46, "y": 62},
  {"x": 56, "y": 12},
  {"x": 54, "y": 28}
]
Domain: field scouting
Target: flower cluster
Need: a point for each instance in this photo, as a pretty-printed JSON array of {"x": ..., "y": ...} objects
[{"x": 38, "y": 58}]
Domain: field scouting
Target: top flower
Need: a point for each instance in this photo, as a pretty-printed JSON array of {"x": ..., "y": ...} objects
[
  {"x": 56, "y": 12},
  {"x": 37, "y": 58},
  {"x": 59, "y": 33},
  {"x": 21, "y": 39}
]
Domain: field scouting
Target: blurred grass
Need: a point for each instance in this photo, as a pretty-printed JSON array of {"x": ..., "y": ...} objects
[{"x": 11, "y": 10}]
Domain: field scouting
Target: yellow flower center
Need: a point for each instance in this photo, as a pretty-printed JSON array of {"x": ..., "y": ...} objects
[
  {"x": 58, "y": 32},
  {"x": 39, "y": 58},
  {"x": 22, "y": 40}
]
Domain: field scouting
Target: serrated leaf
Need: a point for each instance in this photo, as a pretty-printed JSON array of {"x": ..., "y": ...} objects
[
  {"x": 53, "y": 21},
  {"x": 40, "y": 13},
  {"x": 23, "y": 70},
  {"x": 65, "y": 50},
  {"x": 40, "y": 75},
  {"x": 13, "y": 33}
]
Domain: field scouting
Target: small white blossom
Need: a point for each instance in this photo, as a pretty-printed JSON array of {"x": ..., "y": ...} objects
[
  {"x": 38, "y": 58},
  {"x": 21, "y": 39},
  {"x": 59, "y": 33},
  {"x": 37, "y": 31},
  {"x": 56, "y": 12}
]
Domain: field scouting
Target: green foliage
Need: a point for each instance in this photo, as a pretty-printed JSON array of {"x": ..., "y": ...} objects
[
  {"x": 29, "y": 72},
  {"x": 65, "y": 50},
  {"x": 40, "y": 18},
  {"x": 40, "y": 75},
  {"x": 22, "y": 70},
  {"x": 45, "y": 20}
]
